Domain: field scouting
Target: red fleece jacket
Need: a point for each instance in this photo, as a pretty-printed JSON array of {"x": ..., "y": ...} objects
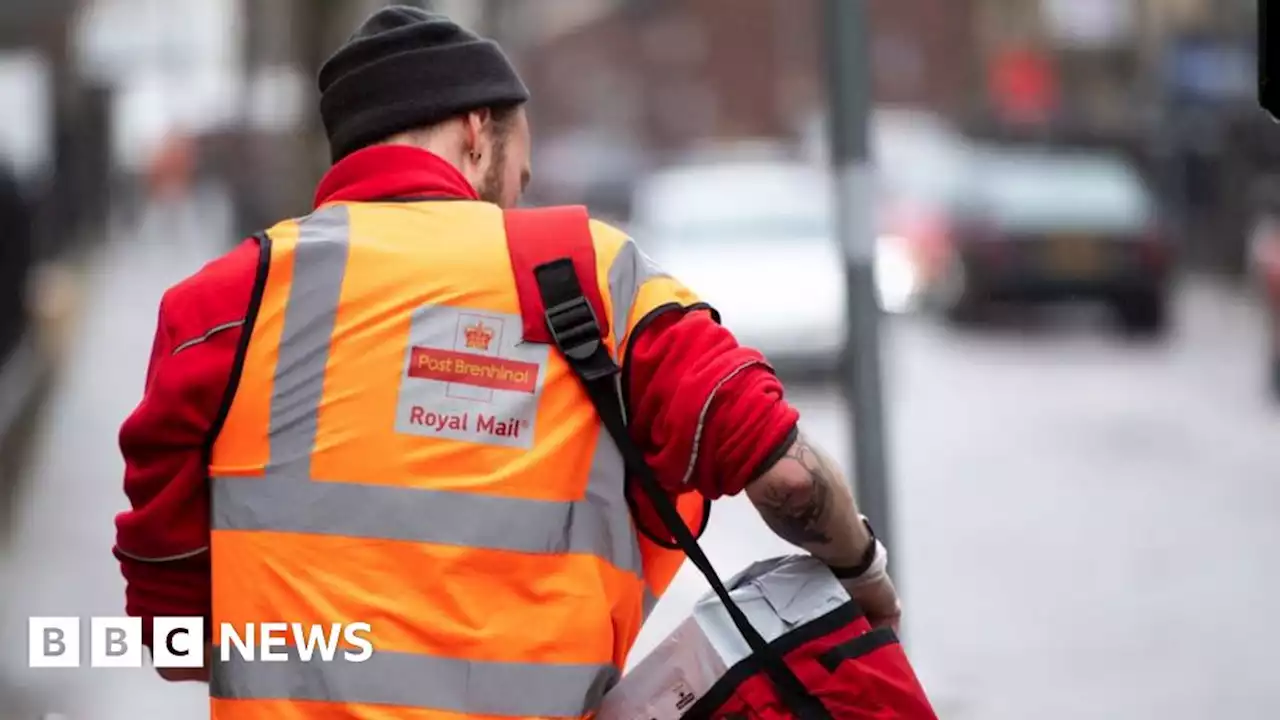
[{"x": 680, "y": 364}]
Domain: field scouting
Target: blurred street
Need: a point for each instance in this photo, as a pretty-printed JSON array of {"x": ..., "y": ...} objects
[
  {"x": 60, "y": 563},
  {"x": 1081, "y": 520}
]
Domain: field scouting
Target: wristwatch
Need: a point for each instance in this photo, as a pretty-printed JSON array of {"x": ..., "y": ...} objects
[{"x": 864, "y": 563}]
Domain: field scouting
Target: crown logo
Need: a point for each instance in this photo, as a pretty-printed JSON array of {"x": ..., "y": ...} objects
[{"x": 478, "y": 336}]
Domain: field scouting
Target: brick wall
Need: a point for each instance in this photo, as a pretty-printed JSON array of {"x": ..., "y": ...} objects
[{"x": 674, "y": 72}]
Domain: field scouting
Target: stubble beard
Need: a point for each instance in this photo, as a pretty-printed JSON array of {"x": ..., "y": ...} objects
[{"x": 490, "y": 189}]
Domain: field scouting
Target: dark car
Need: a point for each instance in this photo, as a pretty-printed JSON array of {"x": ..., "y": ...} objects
[{"x": 1054, "y": 226}]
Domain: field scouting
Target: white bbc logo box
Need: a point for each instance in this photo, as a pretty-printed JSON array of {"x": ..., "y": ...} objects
[{"x": 55, "y": 642}]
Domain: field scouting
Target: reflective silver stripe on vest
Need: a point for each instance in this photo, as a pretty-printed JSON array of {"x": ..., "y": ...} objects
[
  {"x": 598, "y": 525},
  {"x": 310, "y": 314},
  {"x": 289, "y": 499},
  {"x": 420, "y": 681},
  {"x": 628, "y": 272}
]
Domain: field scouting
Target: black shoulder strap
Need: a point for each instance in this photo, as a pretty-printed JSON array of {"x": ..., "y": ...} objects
[{"x": 576, "y": 333}]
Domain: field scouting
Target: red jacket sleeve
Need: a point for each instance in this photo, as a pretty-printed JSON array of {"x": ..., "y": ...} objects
[
  {"x": 162, "y": 540},
  {"x": 709, "y": 413}
]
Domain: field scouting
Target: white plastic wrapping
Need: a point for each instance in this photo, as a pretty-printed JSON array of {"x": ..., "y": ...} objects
[{"x": 777, "y": 596}]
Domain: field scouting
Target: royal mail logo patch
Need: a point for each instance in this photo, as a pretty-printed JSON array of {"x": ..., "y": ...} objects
[
  {"x": 478, "y": 337},
  {"x": 469, "y": 377}
]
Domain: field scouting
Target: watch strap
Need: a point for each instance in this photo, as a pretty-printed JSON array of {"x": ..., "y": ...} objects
[{"x": 864, "y": 563}]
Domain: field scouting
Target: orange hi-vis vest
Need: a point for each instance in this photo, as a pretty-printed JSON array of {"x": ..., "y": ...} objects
[{"x": 395, "y": 453}]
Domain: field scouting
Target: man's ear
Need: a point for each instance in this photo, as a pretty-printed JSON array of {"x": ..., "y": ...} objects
[{"x": 477, "y": 125}]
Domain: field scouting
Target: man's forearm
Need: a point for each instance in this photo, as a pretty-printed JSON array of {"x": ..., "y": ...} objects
[{"x": 805, "y": 499}]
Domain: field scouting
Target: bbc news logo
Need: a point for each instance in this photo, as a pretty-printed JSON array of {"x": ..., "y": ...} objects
[{"x": 179, "y": 642}]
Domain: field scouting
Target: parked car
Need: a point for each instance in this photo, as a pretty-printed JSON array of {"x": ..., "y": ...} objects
[
  {"x": 753, "y": 238},
  {"x": 1049, "y": 226}
]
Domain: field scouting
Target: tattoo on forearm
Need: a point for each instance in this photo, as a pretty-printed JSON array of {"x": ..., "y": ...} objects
[{"x": 799, "y": 516}]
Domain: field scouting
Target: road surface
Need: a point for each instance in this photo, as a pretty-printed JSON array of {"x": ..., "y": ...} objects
[{"x": 1084, "y": 524}]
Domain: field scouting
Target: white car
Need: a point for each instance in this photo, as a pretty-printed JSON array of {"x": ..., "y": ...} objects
[{"x": 754, "y": 239}]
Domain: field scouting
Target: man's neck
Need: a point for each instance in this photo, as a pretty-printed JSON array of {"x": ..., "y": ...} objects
[
  {"x": 442, "y": 142},
  {"x": 392, "y": 170}
]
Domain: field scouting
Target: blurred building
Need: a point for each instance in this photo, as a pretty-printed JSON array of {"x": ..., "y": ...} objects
[
  {"x": 277, "y": 154},
  {"x": 623, "y": 85},
  {"x": 54, "y": 122},
  {"x": 678, "y": 72},
  {"x": 1060, "y": 63},
  {"x": 1172, "y": 81},
  {"x": 634, "y": 83}
]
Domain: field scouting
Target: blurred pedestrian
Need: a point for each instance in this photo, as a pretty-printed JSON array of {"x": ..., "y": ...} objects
[
  {"x": 16, "y": 258},
  {"x": 170, "y": 180},
  {"x": 364, "y": 405},
  {"x": 16, "y": 378},
  {"x": 171, "y": 170}
]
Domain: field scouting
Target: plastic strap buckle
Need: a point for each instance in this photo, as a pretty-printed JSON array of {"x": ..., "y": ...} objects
[{"x": 576, "y": 332}]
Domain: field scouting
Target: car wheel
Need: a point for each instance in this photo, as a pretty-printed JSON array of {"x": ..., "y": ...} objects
[
  {"x": 957, "y": 298},
  {"x": 1145, "y": 315},
  {"x": 965, "y": 311}
]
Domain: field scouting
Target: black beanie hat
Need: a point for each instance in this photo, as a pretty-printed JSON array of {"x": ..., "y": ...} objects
[{"x": 406, "y": 68}]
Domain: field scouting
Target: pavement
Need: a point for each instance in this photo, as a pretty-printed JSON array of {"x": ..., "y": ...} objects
[
  {"x": 28, "y": 371},
  {"x": 60, "y": 562},
  {"x": 1083, "y": 523}
]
